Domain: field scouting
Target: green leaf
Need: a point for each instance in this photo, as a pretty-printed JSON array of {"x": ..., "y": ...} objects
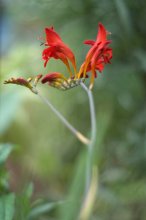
[
  {"x": 29, "y": 190},
  {"x": 71, "y": 209},
  {"x": 7, "y": 208},
  {"x": 5, "y": 150},
  {"x": 9, "y": 103},
  {"x": 23, "y": 203},
  {"x": 43, "y": 209}
]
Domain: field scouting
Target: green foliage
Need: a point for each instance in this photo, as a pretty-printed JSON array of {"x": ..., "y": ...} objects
[
  {"x": 7, "y": 206},
  {"x": 23, "y": 203},
  {"x": 43, "y": 208},
  {"x": 5, "y": 150},
  {"x": 7, "y": 200},
  {"x": 76, "y": 192}
]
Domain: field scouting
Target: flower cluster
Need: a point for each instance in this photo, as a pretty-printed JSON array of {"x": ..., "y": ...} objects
[{"x": 98, "y": 55}]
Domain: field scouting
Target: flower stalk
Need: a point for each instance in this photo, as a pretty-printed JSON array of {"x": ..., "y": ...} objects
[{"x": 91, "y": 145}]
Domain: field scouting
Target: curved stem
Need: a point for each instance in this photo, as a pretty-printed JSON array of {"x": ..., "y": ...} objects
[
  {"x": 90, "y": 146},
  {"x": 79, "y": 135}
]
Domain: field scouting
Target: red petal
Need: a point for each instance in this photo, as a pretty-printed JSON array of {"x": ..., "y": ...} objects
[
  {"x": 59, "y": 48},
  {"x": 51, "y": 77},
  {"x": 49, "y": 52},
  {"x": 90, "y": 42},
  {"x": 52, "y": 37},
  {"x": 102, "y": 33},
  {"x": 68, "y": 53},
  {"x": 100, "y": 67}
]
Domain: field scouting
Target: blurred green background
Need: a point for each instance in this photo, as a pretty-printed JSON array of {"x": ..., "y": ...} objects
[{"x": 45, "y": 152}]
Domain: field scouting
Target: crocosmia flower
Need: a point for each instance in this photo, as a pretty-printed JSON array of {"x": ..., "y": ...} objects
[
  {"x": 19, "y": 81},
  {"x": 30, "y": 83},
  {"x": 98, "y": 55},
  {"x": 57, "y": 49}
]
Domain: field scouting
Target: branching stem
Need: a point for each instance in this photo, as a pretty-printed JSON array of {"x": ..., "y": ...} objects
[
  {"x": 79, "y": 135},
  {"x": 90, "y": 143}
]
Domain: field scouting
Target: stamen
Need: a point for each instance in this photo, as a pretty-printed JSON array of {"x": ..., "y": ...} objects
[
  {"x": 75, "y": 68},
  {"x": 69, "y": 70}
]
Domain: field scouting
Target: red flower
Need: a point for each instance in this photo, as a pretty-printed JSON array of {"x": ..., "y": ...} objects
[
  {"x": 57, "y": 49},
  {"x": 99, "y": 55}
]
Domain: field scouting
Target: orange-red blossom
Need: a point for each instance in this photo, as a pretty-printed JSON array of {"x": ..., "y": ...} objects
[{"x": 98, "y": 55}]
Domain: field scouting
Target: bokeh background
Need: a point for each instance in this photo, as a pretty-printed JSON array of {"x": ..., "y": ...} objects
[{"x": 44, "y": 151}]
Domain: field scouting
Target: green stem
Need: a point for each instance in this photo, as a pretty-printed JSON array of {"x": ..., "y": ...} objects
[{"x": 90, "y": 146}]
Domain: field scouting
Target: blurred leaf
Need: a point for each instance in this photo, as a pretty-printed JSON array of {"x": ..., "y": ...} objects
[
  {"x": 70, "y": 210},
  {"x": 29, "y": 190},
  {"x": 5, "y": 150},
  {"x": 9, "y": 103},
  {"x": 89, "y": 201},
  {"x": 23, "y": 203},
  {"x": 43, "y": 209},
  {"x": 4, "y": 177},
  {"x": 104, "y": 118},
  {"x": 7, "y": 206},
  {"x": 124, "y": 15}
]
